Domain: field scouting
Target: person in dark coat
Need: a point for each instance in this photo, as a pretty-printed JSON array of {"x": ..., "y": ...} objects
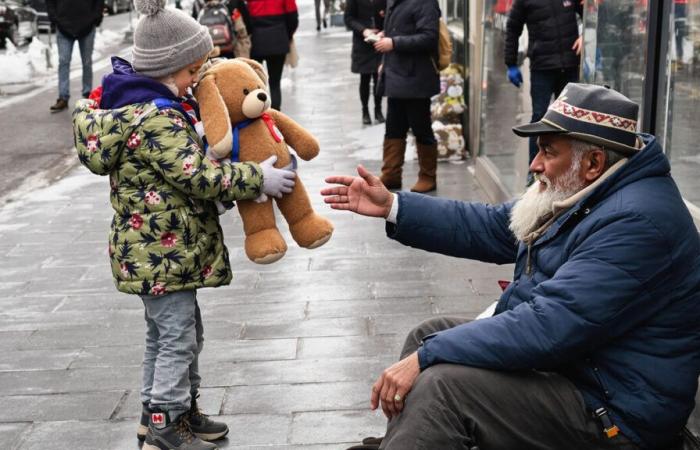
[
  {"x": 409, "y": 77},
  {"x": 595, "y": 344},
  {"x": 75, "y": 20},
  {"x": 554, "y": 47},
  {"x": 366, "y": 18},
  {"x": 272, "y": 27}
]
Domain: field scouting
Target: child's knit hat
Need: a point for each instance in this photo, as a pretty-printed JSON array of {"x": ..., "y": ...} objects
[{"x": 166, "y": 40}]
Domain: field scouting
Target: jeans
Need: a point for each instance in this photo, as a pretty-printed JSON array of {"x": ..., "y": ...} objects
[
  {"x": 65, "y": 52},
  {"x": 174, "y": 340},
  {"x": 413, "y": 113},
  {"x": 544, "y": 84}
]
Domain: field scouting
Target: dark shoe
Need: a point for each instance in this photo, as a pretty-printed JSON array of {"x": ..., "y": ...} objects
[
  {"x": 203, "y": 427},
  {"x": 318, "y": 27},
  {"x": 60, "y": 105},
  {"x": 366, "y": 120},
  {"x": 166, "y": 435},
  {"x": 378, "y": 116},
  {"x": 86, "y": 95},
  {"x": 369, "y": 443},
  {"x": 393, "y": 156},
  {"x": 143, "y": 424},
  {"x": 427, "y": 161}
]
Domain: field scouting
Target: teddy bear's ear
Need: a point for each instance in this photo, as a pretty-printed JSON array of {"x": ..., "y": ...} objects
[
  {"x": 217, "y": 124},
  {"x": 256, "y": 66}
]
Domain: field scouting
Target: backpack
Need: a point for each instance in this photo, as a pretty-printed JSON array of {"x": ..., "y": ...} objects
[{"x": 444, "y": 46}]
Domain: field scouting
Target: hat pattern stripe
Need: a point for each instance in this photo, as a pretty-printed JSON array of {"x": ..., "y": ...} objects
[{"x": 594, "y": 117}]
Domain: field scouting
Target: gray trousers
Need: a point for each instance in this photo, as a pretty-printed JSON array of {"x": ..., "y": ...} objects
[
  {"x": 459, "y": 407},
  {"x": 174, "y": 340}
]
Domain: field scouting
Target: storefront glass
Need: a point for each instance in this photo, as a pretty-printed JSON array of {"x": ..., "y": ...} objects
[
  {"x": 502, "y": 104},
  {"x": 615, "y": 43},
  {"x": 677, "y": 124}
]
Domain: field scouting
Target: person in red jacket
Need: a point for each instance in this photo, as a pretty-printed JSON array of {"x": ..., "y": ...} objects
[{"x": 273, "y": 24}]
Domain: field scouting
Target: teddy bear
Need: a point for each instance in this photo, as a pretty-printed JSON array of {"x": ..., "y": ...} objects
[{"x": 235, "y": 110}]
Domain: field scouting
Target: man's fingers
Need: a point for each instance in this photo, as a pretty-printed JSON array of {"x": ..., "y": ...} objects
[
  {"x": 374, "y": 398},
  {"x": 370, "y": 178},
  {"x": 335, "y": 190},
  {"x": 339, "y": 179}
]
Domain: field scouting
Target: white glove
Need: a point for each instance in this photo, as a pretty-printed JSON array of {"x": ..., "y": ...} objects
[{"x": 276, "y": 182}]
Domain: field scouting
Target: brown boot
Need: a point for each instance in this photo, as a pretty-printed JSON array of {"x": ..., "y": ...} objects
[
  {"x": 427, "y": 160},
  {"x": 394, "y": 150}
]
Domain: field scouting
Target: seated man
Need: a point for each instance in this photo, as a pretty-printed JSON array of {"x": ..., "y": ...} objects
[{"x": 596, "y": 342}]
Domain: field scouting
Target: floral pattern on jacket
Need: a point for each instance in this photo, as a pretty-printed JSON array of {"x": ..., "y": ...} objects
[{"x": 165, "y": 234}]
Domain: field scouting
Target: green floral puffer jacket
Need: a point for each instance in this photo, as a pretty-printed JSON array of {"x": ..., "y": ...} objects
[{"x": 165, "y": 235}]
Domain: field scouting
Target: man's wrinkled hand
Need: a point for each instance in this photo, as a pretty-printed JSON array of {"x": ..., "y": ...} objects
[
  {"x": 364, "y": 195},
  {"x": 394, "y": 384}
]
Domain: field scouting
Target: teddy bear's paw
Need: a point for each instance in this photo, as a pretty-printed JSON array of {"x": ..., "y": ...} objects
[
  {"x": 312, "y": 231},
  {"x": 265, "y": 247}
]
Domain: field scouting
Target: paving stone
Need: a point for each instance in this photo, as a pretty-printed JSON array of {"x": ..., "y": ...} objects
[
  {"x": 68, "y": 381},
  {"x": 295, "y": 371},
  {"x": 19, "y": 306},
  {"x": 60, "y": 407},
  {"x": 12, "y": 340},
  {"x": 345, "y": 326},
  {"x": 113, "y": 356},
  {"x": 22, "y": 360},
  {"x": 368, "y": 307},
  {"x": 10, "y": 434},
  {"x": 347, "y": 346},
  {"x": 341, "y": 426},
  {"x": 249, "y": 430},
  {"x": 80, "y": 435},
  {"x": 216, "y": 351},
  {"x": 79, "y": 336}
]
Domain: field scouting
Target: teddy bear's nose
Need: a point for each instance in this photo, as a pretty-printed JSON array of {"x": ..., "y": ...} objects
[{"x": 262, "y": 96}]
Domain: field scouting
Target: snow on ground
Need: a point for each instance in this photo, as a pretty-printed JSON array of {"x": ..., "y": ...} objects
[{"x": 40, "y": 59}]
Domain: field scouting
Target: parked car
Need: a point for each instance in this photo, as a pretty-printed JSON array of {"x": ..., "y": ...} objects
[
  {"x": 117, "y": 6},
  {"x": 18, "y": 22},
  {"x": 42, "y": 17}
]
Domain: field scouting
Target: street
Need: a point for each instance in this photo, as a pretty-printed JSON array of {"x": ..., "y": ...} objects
[{"x": 291, "y": 349}]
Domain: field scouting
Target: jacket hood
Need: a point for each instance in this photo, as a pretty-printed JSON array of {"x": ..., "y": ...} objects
[{"x": 124, "y": 86}]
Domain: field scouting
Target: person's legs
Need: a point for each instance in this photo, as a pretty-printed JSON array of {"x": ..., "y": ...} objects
[
  {"x": 86, "y": 44},
  {"x": 174, "y": 316},
  {"x": 564, "y": 77},
  {"x": 365, "y": 79},
  {"x": 394, "y": 143},
  {"x": 421, "y": 123},
  {"x": 65, "y": 51},
  {"x": 149, "y": 363},
  {"x": 378, "y": 116},
  {"x": 195, "y": 378},
  {"x": 275, "y": 64},
  {"x": 317, "y": 9},
  {"x": 541, "y": 90}
]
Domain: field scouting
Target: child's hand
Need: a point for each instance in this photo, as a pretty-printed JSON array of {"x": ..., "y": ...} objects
[{"x": 276, "y": 182}]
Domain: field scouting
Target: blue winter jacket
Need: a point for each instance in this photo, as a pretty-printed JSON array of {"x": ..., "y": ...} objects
[{"x": 612, "y": 300}]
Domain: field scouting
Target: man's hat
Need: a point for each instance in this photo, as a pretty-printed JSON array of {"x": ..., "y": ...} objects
[{"x": 590, "y": 113}]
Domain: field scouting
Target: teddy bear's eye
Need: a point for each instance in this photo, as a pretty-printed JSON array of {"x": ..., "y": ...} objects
[{"x": 246, "y": 92}]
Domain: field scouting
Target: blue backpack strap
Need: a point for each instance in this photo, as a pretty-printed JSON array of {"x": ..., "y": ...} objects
[{"x": 236, "y": 147}]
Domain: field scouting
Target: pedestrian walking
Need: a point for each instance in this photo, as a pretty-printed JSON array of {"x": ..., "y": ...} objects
[
  {"x": 366, "y": 19},
  {"x": 273, "y": 24},
  {"x": 408, "y": 78},
  {"x": 142, "y": 129},
  {"x": 75, "y": 20},
  {"x": 321, "y": 19},
  {"x": 554, "y": 47}
]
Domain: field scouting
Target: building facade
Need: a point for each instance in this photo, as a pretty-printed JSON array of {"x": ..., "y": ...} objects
[{"x": 647, "y": 49}]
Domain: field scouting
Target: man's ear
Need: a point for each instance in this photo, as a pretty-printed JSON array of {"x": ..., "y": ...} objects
[
  {"x": 217, "y": 124},
  {"x": 594, "y": 166}
]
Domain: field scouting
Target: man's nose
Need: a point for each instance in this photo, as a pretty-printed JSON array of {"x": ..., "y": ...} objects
[
  {"x": 536, "y": 165},
  {"x": 262, "y": 96}
]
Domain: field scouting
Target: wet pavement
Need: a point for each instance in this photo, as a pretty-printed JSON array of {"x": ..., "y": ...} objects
[{"x": 291, "y": 348}]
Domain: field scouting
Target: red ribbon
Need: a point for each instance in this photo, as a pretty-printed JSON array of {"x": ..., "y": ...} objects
[{"x": 270, "y": 122}]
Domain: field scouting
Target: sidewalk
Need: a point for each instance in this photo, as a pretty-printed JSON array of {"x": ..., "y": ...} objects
[{"x": 292, "y": 348}]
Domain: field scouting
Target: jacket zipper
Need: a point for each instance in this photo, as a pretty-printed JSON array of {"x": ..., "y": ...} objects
[{"x": 528, "y": 265}]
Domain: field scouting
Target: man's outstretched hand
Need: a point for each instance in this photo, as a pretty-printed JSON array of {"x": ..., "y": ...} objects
[
  {"x": 364, "y": 195},
  {"x": 394, "y": 384}
]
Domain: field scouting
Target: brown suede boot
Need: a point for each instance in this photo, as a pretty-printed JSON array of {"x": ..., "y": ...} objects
[
  {"x": 427, "y": 160},
  {"x": 394, "y": 150}
]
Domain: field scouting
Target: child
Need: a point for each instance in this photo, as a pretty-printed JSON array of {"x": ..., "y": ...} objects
[{"x": 165, "y": 240}]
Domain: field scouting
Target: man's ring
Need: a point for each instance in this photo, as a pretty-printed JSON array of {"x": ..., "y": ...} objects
[{"x": 397, "y": 398}]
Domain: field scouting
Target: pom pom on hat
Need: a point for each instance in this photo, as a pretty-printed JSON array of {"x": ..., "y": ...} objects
[{"x": 149, "y": 7}]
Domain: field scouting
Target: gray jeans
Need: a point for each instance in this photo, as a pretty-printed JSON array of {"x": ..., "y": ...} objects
[
  {"x": 174, "y": 340},
  {"x": 65, "y": 52},
  {"x": 459, "y": 407}
]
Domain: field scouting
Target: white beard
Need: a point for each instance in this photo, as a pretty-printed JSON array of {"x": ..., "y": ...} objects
[{"x": 529, "y": 211}]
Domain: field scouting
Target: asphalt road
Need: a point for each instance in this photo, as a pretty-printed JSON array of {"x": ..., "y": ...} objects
[{"x": 36, "y": 146}]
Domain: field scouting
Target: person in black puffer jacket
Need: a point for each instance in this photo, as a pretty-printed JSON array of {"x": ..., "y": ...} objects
[
  {"x": 554, "y": 47},
  {"x": 409, "y": 77},
  {"x": 75, "y": 20},
  {"x": 272, "y": 27}
]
